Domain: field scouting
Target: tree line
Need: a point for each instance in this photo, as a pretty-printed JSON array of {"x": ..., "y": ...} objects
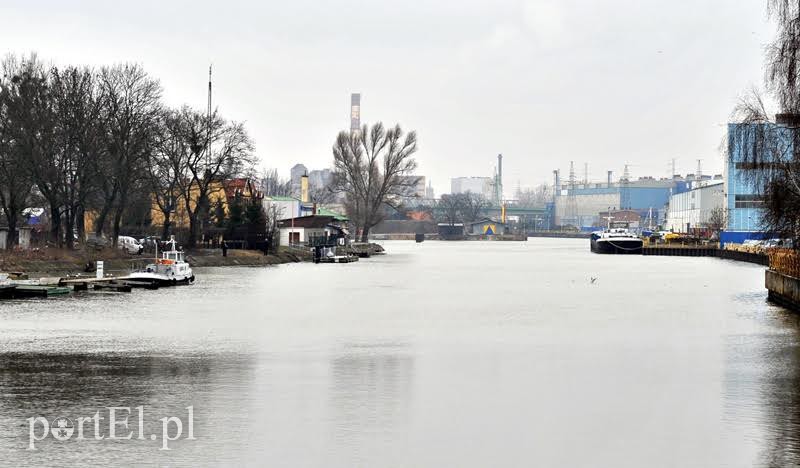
[{"x": 79, "y": 140}]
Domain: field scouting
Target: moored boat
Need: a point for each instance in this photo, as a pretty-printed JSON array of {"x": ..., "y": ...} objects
[
  {"x": 616, "y": 241},
  {"x": 170, "y": 269}
]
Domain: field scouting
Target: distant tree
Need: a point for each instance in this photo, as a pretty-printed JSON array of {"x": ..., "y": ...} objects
[
  {"x": 717, "y": 219},
  {"x": 450, "y": 208},
  {"x": 32, "y": 116},
  {"x": 536, "y": 197},
  {"x": 219, "y": 214},
  {"x": 16, "y": 182},
  {"x": 236, "y": 213},
  {"x": 273, "y": 185},
  {"x": 218, "y": 150},
  {"x": 473, "y": 206},
  {"x": 130, "y": 115},
  {"x": 167, "y": 165},
  {"x": 321, "y": 195},
  {"x": 369, "y": 170},
  {"x": 77, "y": 102},
  {"x": 272, "y": 215},
  {"x": 254, "y": 214}
]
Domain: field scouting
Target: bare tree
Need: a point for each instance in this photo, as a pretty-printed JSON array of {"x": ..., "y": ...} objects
[
  {"x": 273, "y": 214},
  {"x": 717, "y": 219},
  {"x": 321, "y": 195},
  {"x": 274, "y": 185},
  {"x": 449, "y": 207},
  {"x": 15, "y": 178},
  {"x": 218, "y": 150},
  {"x": 767, "y": 152},
  {"x": 536, "y": 197},
  {"x": 77, "y": 104},
  {"x": 370, "y": 168},
  {"x": 473, "y": 206},
  {"x": 32, "y": 119},
  {"x": 131, "y": 108},
  {"x": 168, "y": 164}
]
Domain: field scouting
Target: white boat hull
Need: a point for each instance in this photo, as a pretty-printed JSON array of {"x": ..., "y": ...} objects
[{"x": 160, "y": 279}]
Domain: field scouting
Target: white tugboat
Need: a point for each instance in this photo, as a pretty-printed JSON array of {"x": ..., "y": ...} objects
[{"x": 170, "y": 269}]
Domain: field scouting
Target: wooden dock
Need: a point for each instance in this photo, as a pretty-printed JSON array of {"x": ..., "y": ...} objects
[
  {"x": 116, "y": 287},
  {"x": 30, "y": 290},
  {"x": 339, "y": 259}
]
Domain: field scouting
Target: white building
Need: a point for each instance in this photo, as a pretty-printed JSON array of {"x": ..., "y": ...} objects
[
  {"x": 286, "y": 207},
  {"x": 414, "y": 186},
  {"x": 693, "y": 209},
  {"x": 305, "y": 228},
  {"x": 480, "y": 185}
]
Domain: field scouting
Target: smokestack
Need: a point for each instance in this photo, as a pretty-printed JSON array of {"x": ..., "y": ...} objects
[
  {"x": 610, "y": 176},
  {"x": 499, "y": 177},
  {"x": 304, "y": 188},
  {"x": 355, "y": 112}
]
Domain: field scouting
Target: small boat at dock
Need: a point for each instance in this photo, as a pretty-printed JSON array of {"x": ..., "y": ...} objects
[{"x": 170, "y": 269}]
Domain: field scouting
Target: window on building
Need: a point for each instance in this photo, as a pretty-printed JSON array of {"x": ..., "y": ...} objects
[{"x": 748, "y": 201}]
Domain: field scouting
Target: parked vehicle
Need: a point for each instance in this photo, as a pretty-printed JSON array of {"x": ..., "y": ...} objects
[{"x": 130, "y": 245}]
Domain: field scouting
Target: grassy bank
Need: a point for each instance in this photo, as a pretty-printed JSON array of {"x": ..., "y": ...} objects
[{"x": 62, "y": 262}]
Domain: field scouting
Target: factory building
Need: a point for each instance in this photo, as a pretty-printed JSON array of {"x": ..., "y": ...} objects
[
  {"x": 579, "y": 204},
  {"x": 479, "y": 185},
  {"x": 693, "y": 211},
  {"x": 744, "y": 202}
]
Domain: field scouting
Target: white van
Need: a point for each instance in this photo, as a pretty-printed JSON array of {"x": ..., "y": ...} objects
[{"x": 130, "y": 245}]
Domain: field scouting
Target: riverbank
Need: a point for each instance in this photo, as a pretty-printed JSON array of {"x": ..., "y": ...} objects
[{"x": 62, "y": 262}]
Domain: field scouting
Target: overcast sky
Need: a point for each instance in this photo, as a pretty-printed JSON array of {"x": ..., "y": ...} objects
[{"x": 544, "y": 82}]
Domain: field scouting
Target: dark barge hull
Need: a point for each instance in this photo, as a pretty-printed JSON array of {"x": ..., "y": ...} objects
[{"x": 622, "y": 246}]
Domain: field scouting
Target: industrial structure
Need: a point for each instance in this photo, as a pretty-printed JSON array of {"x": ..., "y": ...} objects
[
  {"x": 744, "y": 202},
  {"x": 579, "y": 203},
  {"x": 694, "y": 210},
  {"x": 355, "y": 112},
  {"x": 490, "y": 188}
]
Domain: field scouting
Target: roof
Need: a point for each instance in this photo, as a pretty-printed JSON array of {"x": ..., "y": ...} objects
[
  {"x": 485, "y": 221},
  {"x": 240, "y": 186},
  {"x": 308, "y": 222},
  {"x": 326, "y": 212},
  {"x": 280, "y": 198}
]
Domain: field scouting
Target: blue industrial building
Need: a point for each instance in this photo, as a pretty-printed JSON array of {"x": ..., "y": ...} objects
[
  {"x": 579, "y": 204},
  {"x": 744, "y": 201}
]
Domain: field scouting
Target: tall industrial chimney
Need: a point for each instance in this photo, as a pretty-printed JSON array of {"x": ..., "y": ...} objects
[
  {"x": 304, "y": 196},
  {"x": 499, "y": 177},
  {"x": 355, "y": 112},
  {"x": 610, "y": 175}
]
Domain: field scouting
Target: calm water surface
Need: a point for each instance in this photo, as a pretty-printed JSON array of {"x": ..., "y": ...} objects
[{"x": 439, "y": 354}]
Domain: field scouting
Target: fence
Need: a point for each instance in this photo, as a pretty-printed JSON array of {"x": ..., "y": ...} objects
[{"x": 784, "y": 261}]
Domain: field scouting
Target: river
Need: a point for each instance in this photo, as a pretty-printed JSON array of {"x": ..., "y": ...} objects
[{"x": 467, "y": 354}]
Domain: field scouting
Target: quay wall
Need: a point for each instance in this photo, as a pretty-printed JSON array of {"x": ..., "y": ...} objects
[
  {"x": 702, "y": 251},
  {"x": 783, "y": 290},
  {"x": 560, "y": 235}
]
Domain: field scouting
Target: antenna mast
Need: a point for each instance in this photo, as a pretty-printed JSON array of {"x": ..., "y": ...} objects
[{"x": 208, "y": 118}]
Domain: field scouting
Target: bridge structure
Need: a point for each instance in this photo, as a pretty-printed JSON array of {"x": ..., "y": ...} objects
[{"x": 526, "y": 215}]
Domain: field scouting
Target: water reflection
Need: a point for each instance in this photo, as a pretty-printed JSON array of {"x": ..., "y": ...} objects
[
  {"x": 780, "y": 391},
  {"x": 79, "y": 385},
  {"x": 371, "y": 389}
]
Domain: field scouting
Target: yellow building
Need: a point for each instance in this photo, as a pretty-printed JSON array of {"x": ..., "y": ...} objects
[{"x": 220, "y": 193}]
